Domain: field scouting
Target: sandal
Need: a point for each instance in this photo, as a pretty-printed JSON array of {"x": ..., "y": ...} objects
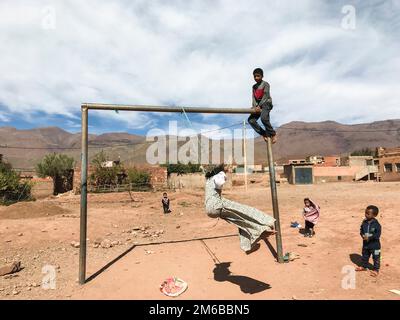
[
  {"x": 374, "y": 273},
  {"x": 361, "y": 269}
]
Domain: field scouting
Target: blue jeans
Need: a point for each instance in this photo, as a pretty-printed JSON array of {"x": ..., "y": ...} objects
[
  {"x": 376, "y": 257},
  {"x": 269, "y": 131}
]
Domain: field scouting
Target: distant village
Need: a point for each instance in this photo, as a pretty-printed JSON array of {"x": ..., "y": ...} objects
[
  {"x": 314, "y": 169},
  {"x": 385, "y": 166}
]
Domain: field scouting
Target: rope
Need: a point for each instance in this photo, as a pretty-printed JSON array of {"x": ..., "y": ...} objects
[
  {"x": 214, "y": 224},
  {"x": 211, "y": 253},
  {"x": 198, "y": 141},
  {"x": 187, "y": 118},
  {"x": 130, "y": 195},
  {"x": 184, "y": 240}
]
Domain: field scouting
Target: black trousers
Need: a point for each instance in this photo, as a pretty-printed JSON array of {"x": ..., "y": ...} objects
[
  {"x": 166, "y": 209},
  {"x": 376, "y": 257},
  {"x": 269, "y": 131},
  {"x": 309, "y": 225}
]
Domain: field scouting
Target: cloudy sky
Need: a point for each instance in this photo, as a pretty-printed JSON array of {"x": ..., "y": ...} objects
[{"x": 325, "y": 60}]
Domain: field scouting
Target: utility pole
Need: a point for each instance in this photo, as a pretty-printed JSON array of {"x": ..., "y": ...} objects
[{"x": 245, "y": 154}]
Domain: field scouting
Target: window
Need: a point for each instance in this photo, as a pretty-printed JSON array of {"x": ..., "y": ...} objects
[
  {"x": 388, "y": 167},
  {"x": 398, "y": 167}
]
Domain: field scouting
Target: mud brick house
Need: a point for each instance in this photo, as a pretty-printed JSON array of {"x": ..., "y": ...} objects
[
  {"x": 389, "y": 164},
  {"x": 330, "y": 170},
  {"x": 298, "y": 161},
  {"x": 324, "y": 161},
  {"x": 299, "y": 173},
  {"x": 367, "y": 166},
  {"x": 357, "y": 161},
  {"x": 331, "y": 161},
  {"x": 41, "y": 187},
  {"x": 158, "y": 175},
  {"x": 335, "y": 174},
  {"x": 317, "y": 160}
]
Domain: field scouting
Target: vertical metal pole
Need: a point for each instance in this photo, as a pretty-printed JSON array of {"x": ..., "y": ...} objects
[
  {"x": 245, "y": 154},
  {"x": 275, "y": 206},
  {"x": 83, "y": 218}
]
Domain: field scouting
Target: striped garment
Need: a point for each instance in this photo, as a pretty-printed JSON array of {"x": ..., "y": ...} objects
[
  {"x": 312, "y": 213},
  {"x": 250, "y": 221}
]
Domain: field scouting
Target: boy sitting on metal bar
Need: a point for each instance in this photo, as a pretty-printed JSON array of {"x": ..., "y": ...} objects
[{"x": 262, "y": 102}]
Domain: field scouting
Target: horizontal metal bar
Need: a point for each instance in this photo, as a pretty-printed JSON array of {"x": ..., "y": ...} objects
[{"x": 123, "y": 107}]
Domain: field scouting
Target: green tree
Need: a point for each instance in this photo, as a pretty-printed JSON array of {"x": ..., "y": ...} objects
[
  {"x": 365, "y": 152},
  {"x": 103, "y": 175},
  {"x": 12, "y": 188},
  {"x": 56, "y": 166},
  {"x": 139, "y": 178},
  {"x": 181, "y": 168}
]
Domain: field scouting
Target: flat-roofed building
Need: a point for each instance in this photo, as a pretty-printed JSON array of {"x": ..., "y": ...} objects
[{"x": 389, "y": 164}]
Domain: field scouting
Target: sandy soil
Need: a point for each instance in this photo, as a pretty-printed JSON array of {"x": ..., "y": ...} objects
[{"x": 40, "y": 233}]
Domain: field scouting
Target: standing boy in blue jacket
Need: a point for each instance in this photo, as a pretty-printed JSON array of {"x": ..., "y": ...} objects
[{"x": 370, "y": 231}]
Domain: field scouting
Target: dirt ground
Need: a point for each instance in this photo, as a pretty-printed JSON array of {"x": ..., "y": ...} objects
[{"x": 42, "y": 233}]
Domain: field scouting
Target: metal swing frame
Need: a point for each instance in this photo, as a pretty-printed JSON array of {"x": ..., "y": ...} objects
[{"x": 85, "y": 107}]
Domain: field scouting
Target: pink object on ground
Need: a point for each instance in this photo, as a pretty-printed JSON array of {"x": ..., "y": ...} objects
[{"x": 173, "y": 287}]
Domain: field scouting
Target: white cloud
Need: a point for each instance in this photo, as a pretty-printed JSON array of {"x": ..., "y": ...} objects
[
  {"x": 200, "y": 53},
  {"x": 4, "y": 117}
]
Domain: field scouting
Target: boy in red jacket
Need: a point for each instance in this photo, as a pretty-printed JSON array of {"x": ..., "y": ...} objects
[{"x": 262, "y": 101}]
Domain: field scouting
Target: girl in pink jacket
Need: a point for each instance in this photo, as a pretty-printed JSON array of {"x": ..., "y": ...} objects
[{"x": 311, "y": 213}]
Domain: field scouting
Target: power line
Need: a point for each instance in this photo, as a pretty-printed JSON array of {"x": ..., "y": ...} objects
[{"x": 339, "y": 131}]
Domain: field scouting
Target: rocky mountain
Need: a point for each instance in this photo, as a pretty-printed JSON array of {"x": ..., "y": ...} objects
[{"x": 24, "y": 148}]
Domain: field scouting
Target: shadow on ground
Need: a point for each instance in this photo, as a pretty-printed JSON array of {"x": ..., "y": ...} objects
[
  {"x": 357, "y": 260},
  {"x": 246, "y": 284},
  {"x": 302, "y": 231}
]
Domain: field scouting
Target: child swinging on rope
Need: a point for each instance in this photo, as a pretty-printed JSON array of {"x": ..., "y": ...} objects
[
  {"x": 262, "y": 102},
  {"x": 252, "y": 223}
]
